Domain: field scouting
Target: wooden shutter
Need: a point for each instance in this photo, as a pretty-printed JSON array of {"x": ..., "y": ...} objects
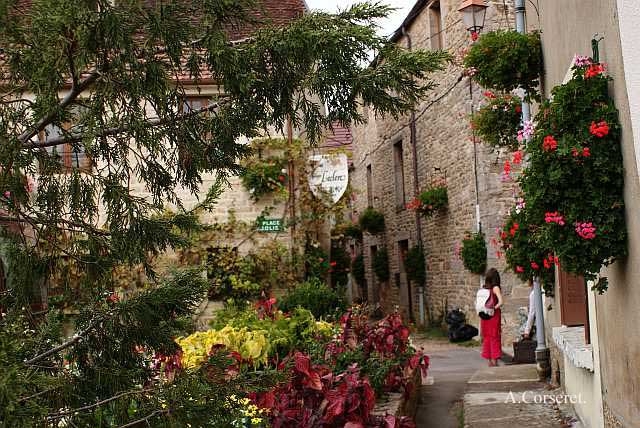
[{"x": 573, "y": 300}]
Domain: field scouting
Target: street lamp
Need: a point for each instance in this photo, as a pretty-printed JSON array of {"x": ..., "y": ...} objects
[{"x": 473, "y": 14}]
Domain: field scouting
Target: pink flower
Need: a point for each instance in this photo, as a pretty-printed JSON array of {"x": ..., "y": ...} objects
[
  {"x": 554, "y": 217},
  {"x": 489, "y": 94},
  {"x": 519, "y": 269},
  {"x": 586, "y": 230},
  {"x": 535, "y": 266},
  {"x": 582, "y": 61}
]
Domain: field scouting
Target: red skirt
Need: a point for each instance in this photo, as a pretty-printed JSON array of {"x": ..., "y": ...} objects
[{"x": 491, "y": 331}]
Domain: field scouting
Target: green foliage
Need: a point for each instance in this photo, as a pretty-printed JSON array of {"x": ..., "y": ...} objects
[
  {"x": 316, "y": 261},
  {"x": 474, "y": 253},
  {"x": 505, "y": 60},
  {"x": 372, "y": 221},
  {"x": 314, "y": 296},
  {"x": 231, "y": 276},
  {"x": 431, "y": 200},
  {"x": 358, "y": 270},
  {"x": 525, "y": 256},
  {"x": 414, "y": 265},
  {"x": 499, "y": 121},
  {"x": 381, "y": 265},
  {"x": 575, "y": 176},
  {"x": 261, "y": 177},
  {"x": 340, "y": 265},
  {"x": 349, "y": 230}
]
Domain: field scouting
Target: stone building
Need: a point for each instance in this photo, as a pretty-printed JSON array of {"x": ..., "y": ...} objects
[
  {"x": 395, "y": 159},
  {"x": 603, "y": 364}
]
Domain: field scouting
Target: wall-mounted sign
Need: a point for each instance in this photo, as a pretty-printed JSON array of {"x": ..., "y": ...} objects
[
  {"x": 270, "y": 225},
  {"x": 329, "y": 176}
]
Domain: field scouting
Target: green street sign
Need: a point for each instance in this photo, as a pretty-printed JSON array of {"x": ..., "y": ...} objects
[{"x": 270, "y": 225}]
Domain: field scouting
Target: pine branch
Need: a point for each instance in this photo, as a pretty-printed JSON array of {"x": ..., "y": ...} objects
[
  {"x": 71, "y": 96},
  {"x": 110, "y": 132},
  {"x": 76, "y": 338},
  {"x": 59, "y": 415},
  {"x": 145, "y": 419}
]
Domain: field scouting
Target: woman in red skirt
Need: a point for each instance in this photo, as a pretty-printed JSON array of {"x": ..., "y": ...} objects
[{"x": 491, "y": 328}]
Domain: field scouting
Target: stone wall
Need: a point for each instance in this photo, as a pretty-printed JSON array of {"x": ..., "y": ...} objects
[{"x": 445, "y": 149}]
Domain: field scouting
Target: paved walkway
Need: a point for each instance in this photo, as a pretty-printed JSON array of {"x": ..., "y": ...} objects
[
  {"x": 451, "y": 366},
  {"x": 509, "y": 396}
]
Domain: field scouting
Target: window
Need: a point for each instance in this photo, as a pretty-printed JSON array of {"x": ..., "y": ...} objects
[
  {"x": 194, "y": 103},
  {"x": 398, "y": 166},
  {"x": 69, "y": 156},
  {"x": 369, "y": 186},
  {"x": 435, "y": 23}
]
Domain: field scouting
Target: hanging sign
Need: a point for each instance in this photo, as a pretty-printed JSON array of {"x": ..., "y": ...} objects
[{"x": 329, "y": 176}]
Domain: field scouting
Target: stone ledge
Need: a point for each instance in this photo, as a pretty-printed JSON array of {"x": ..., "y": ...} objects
[
  {"x": 397, "y": 404},
  {"x": 570, "y": 340}
]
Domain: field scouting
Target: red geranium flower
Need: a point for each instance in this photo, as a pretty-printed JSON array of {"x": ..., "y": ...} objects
[
  {"x": 535, "y": 266},
  {"x": 518, "y": 109},
  {"x": 519, "y": 269},
  {"x": 586, "y": 152},
  {"x": 599, "y": 129},
  {"x": 474, "y": 35},
  {"x": 517, "y": 157},
  {"x": 594, "y": 70},
  {"x": 549, "y": 143}
]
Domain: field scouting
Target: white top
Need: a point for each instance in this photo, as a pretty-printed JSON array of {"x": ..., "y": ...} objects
[{"x": 532, "y": 313}]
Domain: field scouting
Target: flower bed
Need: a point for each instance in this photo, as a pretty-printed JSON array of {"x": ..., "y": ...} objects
[{"x": 330, "y": 374}]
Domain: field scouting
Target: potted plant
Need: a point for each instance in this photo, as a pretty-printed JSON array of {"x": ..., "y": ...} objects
[
  {"x": 499, "y": 120},
  {"x": 381, "y": 265},
  {"x": 414, "y": 265},
  {"x": 474, "y": 253},
  {"x": 372, "y": 221},
  {"x": 432, "y": 199},
  {"x": 264, "y": 176},
  {"x": 505, "y": 60}
]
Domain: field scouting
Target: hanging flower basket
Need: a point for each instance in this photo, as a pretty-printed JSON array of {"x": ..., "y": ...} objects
[
  {"x": 498, "y": 122},
  {"x": 381, "y": 265},
  {"x": 261, "y": 177},
  {"x": 474, "y": 253},
  {"x": 372, "y": 221},
  {"x": 505, "y": 60},
  {"x": 433, "y": 199}
]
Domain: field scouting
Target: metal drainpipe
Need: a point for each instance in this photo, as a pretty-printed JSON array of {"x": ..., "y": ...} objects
[
  {"x": 542, "y": 353},
  {"x": 416, "y": 191}
]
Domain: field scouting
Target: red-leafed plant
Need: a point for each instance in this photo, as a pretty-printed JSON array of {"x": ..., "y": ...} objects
[{"x": 315, "y": 397}]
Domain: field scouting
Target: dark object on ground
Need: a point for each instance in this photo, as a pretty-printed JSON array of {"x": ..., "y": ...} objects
[
  {"x": 463, "y": 333},
  {"x": 524, "y": 351},
  {"x": 455, "y": 318},
  {"x": 458, "y": 330}
]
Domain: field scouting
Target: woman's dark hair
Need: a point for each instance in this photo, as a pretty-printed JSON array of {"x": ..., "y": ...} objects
[{"x": 492, "y": 278}]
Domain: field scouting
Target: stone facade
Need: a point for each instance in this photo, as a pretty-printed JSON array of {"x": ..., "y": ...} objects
[{"x": 445, "y": 149}]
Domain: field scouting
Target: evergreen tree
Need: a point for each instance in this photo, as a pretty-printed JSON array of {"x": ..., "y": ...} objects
[{"x": 108, "y": 79}]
